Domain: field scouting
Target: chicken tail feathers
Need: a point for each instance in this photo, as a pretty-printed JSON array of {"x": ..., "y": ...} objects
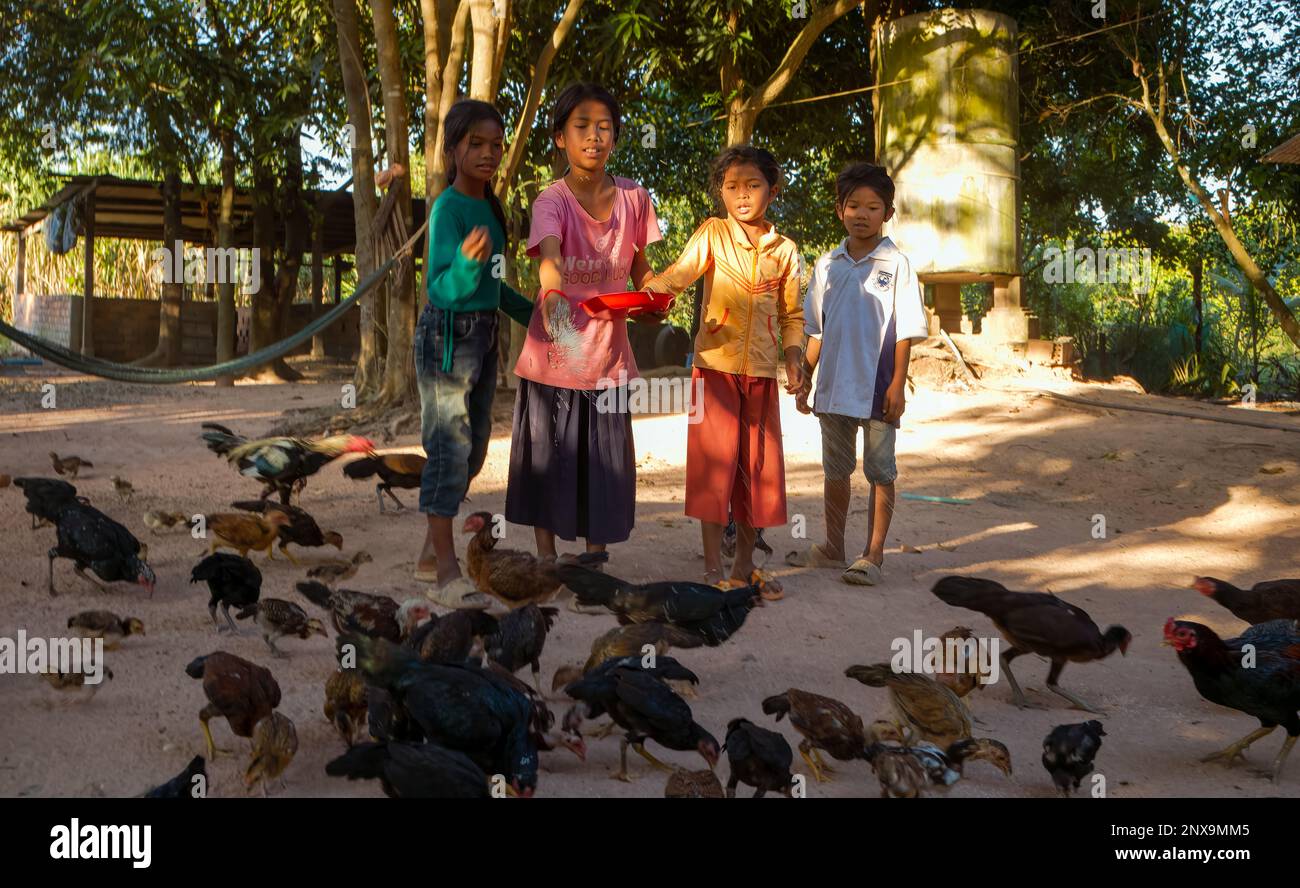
[
  {"x": 365, "y": 761},
  {"x": 220, "y": 440},
  {"x": 247, "y": 611},
  {"x": 971, "y": 593},
  {"x": 778, "y": 705},
  {"x": 589, "y": 586},
  {"x": 316, "y": 592}
]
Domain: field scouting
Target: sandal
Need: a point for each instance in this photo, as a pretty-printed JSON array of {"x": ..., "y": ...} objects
[
  {"x": 459, "y": 594},
  {"x": 769, "y": 588},
  {"x": 426, "y": 576},
  {"x": 814, "y": 557},
  {"x": 863, "y": 573}
]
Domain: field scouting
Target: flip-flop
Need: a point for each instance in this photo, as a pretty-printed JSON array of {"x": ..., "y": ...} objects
[
  {"x": 814, "y": 557},
  {"x": 425, "y": 576},
  {"x": 863, "y": 573},
  {"x": 459, "y": 594}
]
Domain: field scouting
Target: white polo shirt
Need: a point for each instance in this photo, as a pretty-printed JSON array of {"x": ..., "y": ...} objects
[{"x": 859, "y": 309}]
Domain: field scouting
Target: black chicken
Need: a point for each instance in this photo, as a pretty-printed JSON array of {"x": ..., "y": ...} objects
[
  {"x": 400, "y": 470},
  {"x": 281, "y": 464},
  {"x": 1257, "y": 673},
  {"x": 519, "y": 639},
  {"x": 461, "y": 707},
  {"x": 1068, "y": 753},
  {"x": 90, "y": 539},
  {"x": 644, "y": 707},
  {"x": 45, "y": 496},
  {"x": 233, "y": 581},
  {"x": 711, "y": 613},
  {"x": 183, "y": 785},
  {"x": 302, "y": 529},
  {"x": 413, "y": 770},
  {"x": 1269, "y": 600},
  {"x": 1035, "y": 623},
  {"x": 759, "y": 758},
  {"x": 452, "y": 638}
]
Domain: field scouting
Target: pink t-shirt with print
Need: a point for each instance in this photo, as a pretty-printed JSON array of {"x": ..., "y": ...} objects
[{"x": 596, "y": 258}]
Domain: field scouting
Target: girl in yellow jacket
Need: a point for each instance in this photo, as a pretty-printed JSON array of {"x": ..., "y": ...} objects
[{"x": 751, "y": 320}]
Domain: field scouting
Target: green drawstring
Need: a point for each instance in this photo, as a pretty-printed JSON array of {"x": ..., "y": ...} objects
[{"x": 448, "y": 347}]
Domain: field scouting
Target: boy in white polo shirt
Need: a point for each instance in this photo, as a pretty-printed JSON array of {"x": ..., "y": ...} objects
[{"x": 862, "y": 312}]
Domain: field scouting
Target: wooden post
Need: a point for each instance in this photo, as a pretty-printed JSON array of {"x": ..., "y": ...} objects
[
  {"x": 317, "y": 276},
  {"x": 20, "y": 269},
  {"x": 87, "y": 302}
]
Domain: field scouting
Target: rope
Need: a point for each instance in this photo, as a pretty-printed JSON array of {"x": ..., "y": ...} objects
[{"x": 64, "y": 357}]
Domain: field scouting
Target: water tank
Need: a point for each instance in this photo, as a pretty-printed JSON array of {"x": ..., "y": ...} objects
[{"x": 947, "y": 130}]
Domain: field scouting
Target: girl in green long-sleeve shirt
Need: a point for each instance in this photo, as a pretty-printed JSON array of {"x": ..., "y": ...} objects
[{"x": 456, "y": 339}]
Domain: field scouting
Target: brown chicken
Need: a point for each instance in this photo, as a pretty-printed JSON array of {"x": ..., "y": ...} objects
[
  {"x": 452, "y": 638},
  {"x": 243, "y": 532},
  {"x": 69, "y": 465},
  {"x": 1034, "y": 623},
  {"x": 163, "y": 520},
  {"x": 629, "y": 641},
  {"x": 243, "y": 692},
  {"x": 900, "y": 774},
  {"x": 123, "y": 487},
  {"x": 931, "y": 710},
  {"x": 277, "y": 619},
  {"x": 336, "y": 571},
  {"x": 960, "y": 681},
  {"x": 74, "y": 684},
  {"x": 375, "y": 616},
  {"x": 401, "y": 470},
  {"x": 302, "y": 529},
  {"x": 106, "y": 625},
  {"x": 275, "y": 740},
  {"x": 825, "y": 724},
  {"x": 345, "y": 703},
  {"x": 513, "y": 577},
  {"x": 684, "y": 784},
  {"x": 1269, "y": 600}
]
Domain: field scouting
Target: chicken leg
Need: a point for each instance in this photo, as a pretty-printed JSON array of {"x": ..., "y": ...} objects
[
  {"x": 1017, "y": 695},
  {"x": 79, "y": 571},
  {"x": 53, "y": 553},
  {"x": 639, "y": 746},
  {"x": 388, "y": 490},
  {"x": 206, "y": 713},
  {"x": 1238, "y": 749},
  {"x": 284, "y": 550},
  {"x": 1054, "y": 675},
  {"x": 1281, "y": 758}
]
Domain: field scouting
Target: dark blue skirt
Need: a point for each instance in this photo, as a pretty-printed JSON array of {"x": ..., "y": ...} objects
[{"x": 572, "y": 467}]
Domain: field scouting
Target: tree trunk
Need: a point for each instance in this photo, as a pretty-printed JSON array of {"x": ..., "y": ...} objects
[
  {"x": 438, "y": 16},
  {"x": 399, "y": 366},
  {"x": 483, "y": 61},
  {"x": 364, "y": 202},
  {"x": 226, "y": 317},
  {"x": 264, "y": 324},
  {"x": 436, "y": 174},
  {"x": 168, "y": 352}
]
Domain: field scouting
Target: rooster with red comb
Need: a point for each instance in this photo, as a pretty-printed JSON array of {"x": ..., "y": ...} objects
[{"x": 283, "y": 465}]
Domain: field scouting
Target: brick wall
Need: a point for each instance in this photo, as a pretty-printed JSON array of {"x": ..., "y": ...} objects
[{"x": 127, "y": 329}]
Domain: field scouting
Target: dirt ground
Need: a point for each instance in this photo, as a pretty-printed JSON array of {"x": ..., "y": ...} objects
[{"x": 1180, "y": 498}]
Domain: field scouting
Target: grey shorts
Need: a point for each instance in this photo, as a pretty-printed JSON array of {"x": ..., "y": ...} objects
[{"x": 840, "y": 444}]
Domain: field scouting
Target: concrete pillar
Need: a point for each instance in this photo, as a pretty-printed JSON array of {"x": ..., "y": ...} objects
[
  {"x": 1008, "y": 321},
  {"x": 86, "y": 336},
  {"x": 947, "y": 306}
]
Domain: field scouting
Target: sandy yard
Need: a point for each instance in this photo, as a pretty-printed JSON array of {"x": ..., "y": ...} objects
[{"x": 1180, "y": 498}]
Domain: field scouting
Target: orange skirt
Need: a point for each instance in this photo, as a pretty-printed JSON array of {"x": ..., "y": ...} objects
[{"x": 733, "y": 454}]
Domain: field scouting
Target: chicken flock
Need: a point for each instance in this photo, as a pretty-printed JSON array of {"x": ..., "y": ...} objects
[{"x": 430, "y": 704}]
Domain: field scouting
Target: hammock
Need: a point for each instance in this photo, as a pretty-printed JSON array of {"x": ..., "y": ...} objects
[{"x": 64, "y": 357}]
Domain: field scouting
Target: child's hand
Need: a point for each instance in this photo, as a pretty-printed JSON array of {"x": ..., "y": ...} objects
[
  {"x": 477, "y": 245},
  {"x": 794, "y": 376},
  {"x": 801, "y": 400},
  {"x": 546, "y": 307},
  {"x": 895, "y": 400}
]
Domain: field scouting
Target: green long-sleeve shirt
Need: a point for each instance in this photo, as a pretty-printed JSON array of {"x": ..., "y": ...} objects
[{"x": 455, "y": 282}]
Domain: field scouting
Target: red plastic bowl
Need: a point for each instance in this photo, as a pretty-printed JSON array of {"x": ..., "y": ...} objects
[{"x": 634, "y": 301}]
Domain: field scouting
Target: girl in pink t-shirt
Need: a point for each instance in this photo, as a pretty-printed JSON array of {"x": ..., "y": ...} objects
[{"x": 573, "y": 466}]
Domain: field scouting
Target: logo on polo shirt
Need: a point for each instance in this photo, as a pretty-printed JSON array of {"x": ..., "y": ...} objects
[{"x": 884, "y": 279}]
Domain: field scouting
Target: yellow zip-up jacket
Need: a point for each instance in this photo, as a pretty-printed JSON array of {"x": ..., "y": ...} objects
[{"x": 751, "y": 296}]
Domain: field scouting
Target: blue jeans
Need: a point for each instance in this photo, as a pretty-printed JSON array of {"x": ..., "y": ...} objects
[{"x": 455, "y": 405}]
